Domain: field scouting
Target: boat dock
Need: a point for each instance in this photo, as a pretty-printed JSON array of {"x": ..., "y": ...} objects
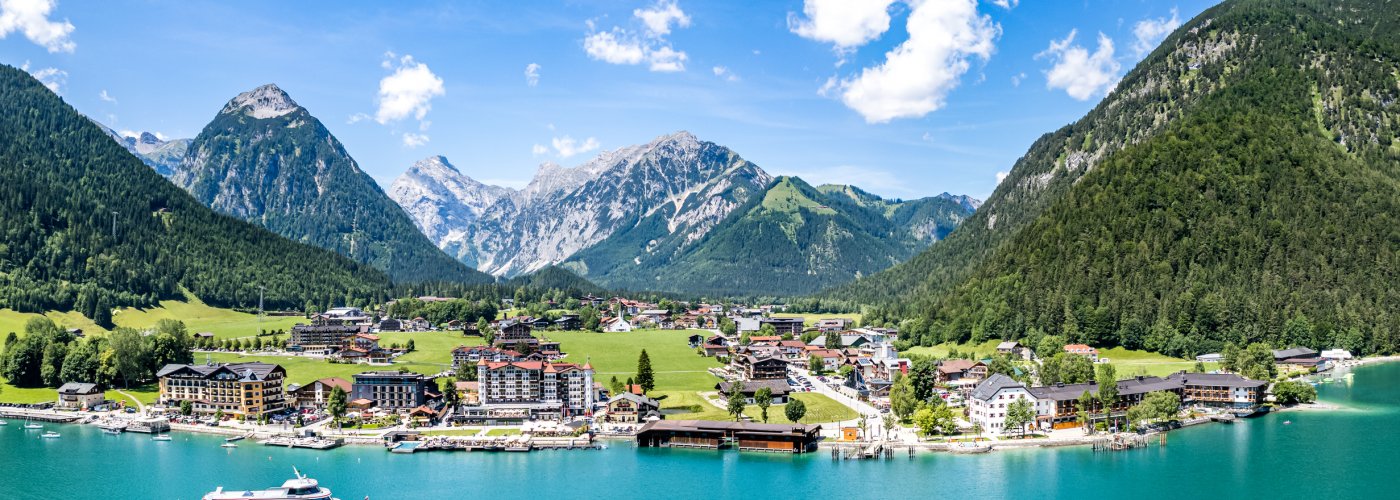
[
  {"x": 311, "y": 443},
  {"x": 492, "y": 443},
  {"x": 38, "y": 415},
  {"x": 1120, "y": 442}
]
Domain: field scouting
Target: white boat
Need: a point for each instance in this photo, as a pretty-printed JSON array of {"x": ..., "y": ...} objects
[
  {"x": 298, "y": 488},
  {"x": 228, "y": 445},
  {"x": 111, "y": 432},
  {"x": 50, "y": 435},
  {"x": 2, "y": 422},
  {"x": 160, "y": 437},
  {"x": 33, "y": 425}
]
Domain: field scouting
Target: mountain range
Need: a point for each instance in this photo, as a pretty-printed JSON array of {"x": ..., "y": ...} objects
[
  {"x": 267, "y": 160},
  {"x": 665, "y": 216},
  {"x": 88, "y": 227},
  {"x": 1240, "y": 184}
]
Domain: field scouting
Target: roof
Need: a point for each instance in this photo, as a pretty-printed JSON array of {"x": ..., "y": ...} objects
[
  {"x": 1217, "y": 379},
  {"x": 781, "y": 320},
  {"x": 956, "y": 365},
  {"x": 639, "y": 400},
  {"x": 78, "y": 388},
  {"x": 1010, "y": 344},
  {"x": 993, "y": 384},
  {"x": 334, "y": 382},
  {"x": 719, "y": 427},
  {"x": 1079, "y": 348},
  {"x": 245, "y": 371},
  {"x": 1294, "y": 352}
]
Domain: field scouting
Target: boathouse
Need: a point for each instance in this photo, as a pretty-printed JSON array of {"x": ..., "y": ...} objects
[{"x": 713, "y": 434}]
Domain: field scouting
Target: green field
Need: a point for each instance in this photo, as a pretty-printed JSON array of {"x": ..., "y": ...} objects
[
  {"x": 198, "y": 317},
  {"x": 811, "y": 319},
  {"x": 30, "y": 395},
  {"x": 223, "y": 323},
  {"x": 677, "y": 366},
  {"x": 983, "y": 350}
]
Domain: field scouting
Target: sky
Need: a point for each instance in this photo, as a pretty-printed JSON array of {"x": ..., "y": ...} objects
[{"x": 905, "y": 99}]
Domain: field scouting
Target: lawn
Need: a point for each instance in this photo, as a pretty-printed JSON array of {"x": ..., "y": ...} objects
[
  {"x": 428, "y": 347},
  {"x": 302, "y": 370},
  {"x": 13, "y": 321},
  {"x": 983, "y": 350},
  {"x": 811, "y": 319},
  {"x": 677, "y": 366},
  {"x": 464, "y": 431},
  {"x": 29, "y": 395},
  {"x": 503, "y": 432},
  {"x": 198, "y": 317}
]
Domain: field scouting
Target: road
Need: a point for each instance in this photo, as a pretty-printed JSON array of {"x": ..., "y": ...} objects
[{"x": 875, "y": 425}]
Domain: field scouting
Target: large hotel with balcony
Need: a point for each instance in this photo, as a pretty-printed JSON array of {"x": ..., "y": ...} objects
[{"x": 239, "y": 389}]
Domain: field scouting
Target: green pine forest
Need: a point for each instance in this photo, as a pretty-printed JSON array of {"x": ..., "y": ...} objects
[
  {"x": 1244, "y": 198},
  {"x": 61, "y": 179}
]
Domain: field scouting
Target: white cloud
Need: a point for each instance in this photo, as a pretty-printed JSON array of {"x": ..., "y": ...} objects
[
  {"x": 407, "y": 92},
  {"x": 659, "y": 18},
  {"x": 567, "y": 146},
  {"x": 53, "y": 78},
  {"x": 1079, "y": 73},
  {"x": 106, "y": 97},
  {"x": 357, "y": 118},
  {"x": 726, "y": 74},
  {"x": 413, "y": 140},
  {"x": 846, "y": 24},
  {"x": 614, "y": 47},
  {"x": 31, "y": 17},
  {"x": 539, "y": 149},
  {"x": 1150, "y": 32},
  {"x": 1001, "y": 176},
  {"x": 1006, "y": 4},
  {"x": 128, "y": 133},
  {"x": 532, "y": 74},
  {"x": 916, "y": 77},
  {"x": 1017, "y": 78},
  {"x": 665, "y": 59},
  {"x": 623, "y": 46}
]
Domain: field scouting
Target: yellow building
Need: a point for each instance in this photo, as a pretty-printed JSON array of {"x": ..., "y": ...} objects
[{"x": 239, "y": 389}]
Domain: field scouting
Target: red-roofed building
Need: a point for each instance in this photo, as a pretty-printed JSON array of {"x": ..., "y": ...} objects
[
  {"x": 1083, "y": 350},
  {"x": 539, "y": 389}
]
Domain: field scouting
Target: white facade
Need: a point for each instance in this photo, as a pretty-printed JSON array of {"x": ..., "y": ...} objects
[
  {"x": 618, "y": 325},
  {"x": 991, "y": 413}
]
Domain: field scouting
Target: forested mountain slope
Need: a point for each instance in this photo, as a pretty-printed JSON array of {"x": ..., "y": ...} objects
[
  {"x": 61, "y": 180},
  {"x": 1241, "y": 184},
  {"x": 267, "y": 160}
]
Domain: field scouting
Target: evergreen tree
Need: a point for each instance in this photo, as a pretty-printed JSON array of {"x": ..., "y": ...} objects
[{"x": 645, "y": 377}]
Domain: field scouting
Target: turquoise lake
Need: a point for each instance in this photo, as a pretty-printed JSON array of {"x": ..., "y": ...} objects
[{"x": 1350, "y": 453}]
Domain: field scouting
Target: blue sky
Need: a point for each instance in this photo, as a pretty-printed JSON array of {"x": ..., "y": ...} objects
[{"x": 904, "y": 98}]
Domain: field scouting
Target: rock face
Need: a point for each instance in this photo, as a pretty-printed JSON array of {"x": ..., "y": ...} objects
[
  {"x": 267, "y": 160},
  {"x": 441, "y": 200},
  {"x": 163, "y": 156},
  {"x": 661, "y": 194},
  {"x": 632, "y": 215}
]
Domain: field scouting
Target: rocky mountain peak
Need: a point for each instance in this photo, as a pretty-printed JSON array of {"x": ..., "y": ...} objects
[{"x": 267, "y": 101}]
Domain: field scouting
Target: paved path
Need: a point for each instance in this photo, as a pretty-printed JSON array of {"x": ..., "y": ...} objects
[
  {"x": 140, "y": 407},
  {"x": 875, "y": 426}
]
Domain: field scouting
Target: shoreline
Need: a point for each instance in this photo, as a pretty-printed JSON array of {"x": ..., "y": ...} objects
[{"x": 931, "y": 447}]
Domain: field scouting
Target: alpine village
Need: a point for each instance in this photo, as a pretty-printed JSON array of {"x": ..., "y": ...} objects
[{"x": 1212, "y": 243}]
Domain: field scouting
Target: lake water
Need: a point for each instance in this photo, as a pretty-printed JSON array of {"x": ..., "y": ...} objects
[{"x": 1350, "y": 453}]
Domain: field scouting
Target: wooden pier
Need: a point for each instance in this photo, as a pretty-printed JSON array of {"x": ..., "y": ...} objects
[
  {"x": 1121, "y": 442},
  {"x": 41, "y": 416}
]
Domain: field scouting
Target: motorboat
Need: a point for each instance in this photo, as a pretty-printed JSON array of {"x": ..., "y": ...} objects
[
  {"x": 33, "y": 425},
  {"x": 298, "y": 488},
  {"x": 160, "y": 437},
  {"x": 50, "y": 435},
  {"x": 228, "y": 445}
]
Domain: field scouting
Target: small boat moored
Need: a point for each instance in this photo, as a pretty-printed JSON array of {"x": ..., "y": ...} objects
[
  {"x": 160, "y": 437},
  {"x": 33, "y": 425},
  {"x": 228, "y": 445},
  {"x": 297, "y": 488},
  {"x": 50, "y": 435}
]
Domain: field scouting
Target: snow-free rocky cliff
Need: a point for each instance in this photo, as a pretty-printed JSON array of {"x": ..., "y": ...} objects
[{"x": 676, "y": 182}]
